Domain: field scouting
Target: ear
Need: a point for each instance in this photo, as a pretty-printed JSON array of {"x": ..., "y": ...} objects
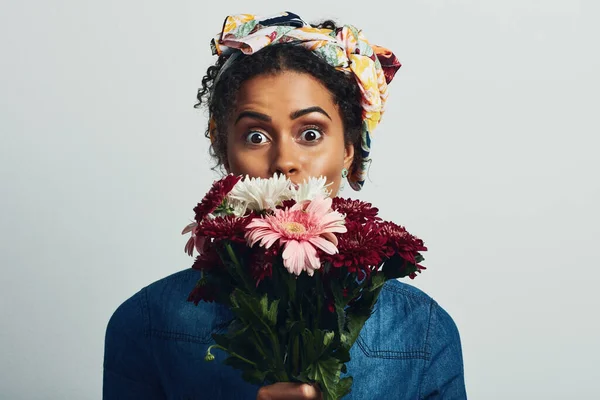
[{"x": 348, "y": 155}]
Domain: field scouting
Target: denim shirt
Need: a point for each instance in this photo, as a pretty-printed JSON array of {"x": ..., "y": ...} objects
[{"x": 156, "y": 342}]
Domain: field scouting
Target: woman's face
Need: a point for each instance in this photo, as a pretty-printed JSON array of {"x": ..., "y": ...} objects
[{"x": 287, "y": 123}]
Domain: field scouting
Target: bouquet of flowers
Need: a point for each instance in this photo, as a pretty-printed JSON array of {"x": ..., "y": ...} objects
[{"x": 300, "y": 271}]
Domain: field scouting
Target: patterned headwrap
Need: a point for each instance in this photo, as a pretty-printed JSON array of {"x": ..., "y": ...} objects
[{"x": 345, "y": 48}]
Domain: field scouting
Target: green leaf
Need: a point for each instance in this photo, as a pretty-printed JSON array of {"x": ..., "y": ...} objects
[
  {"x": 342, "y": 354},
  {"x": 355, "y": 322},
  {"x": 259, "y": 346},
  {"x": 236, "y": 329},
  {"x": 339, "y": 305},
  {"x": 246, "y": 345},
  {"x": 316, "y": 344},
  {"x": 221, "y": 340},
  {"x": 310, "y": 346},
  {"x": 254, "y": 376},
  {"x": 295, "y": 358},
  {"x": 296, "y": 349},
  {"x": 327, "y": 339},
  {"x": 262, "y": 337},
  {"x": 326, "y": 372},
  {"x": 254, "y": 311},
  {"x": 249, "y": 373},
  {"x": 377, "y": 282},
  {"x": 343, "y": 387},
  {"x": 223, "y": 209},
  {"x": 419, "y": 258},
  {"x": 397, "y": 267},
  {"x": 358, "y": 313},
  {"x": 346, "y": 338},
  {"x": 302, "y": 377},
  {"x": 270, "y": 312}
]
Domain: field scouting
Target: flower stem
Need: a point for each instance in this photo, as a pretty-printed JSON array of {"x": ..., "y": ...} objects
[
  {"x": 238, "y": 267},
  {"x": 210, "y": 357}
]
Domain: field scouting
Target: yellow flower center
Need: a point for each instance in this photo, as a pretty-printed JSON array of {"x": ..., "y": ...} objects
[{"x": 294, "y": 227}]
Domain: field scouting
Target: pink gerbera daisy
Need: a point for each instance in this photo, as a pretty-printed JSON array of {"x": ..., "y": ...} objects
[{"x": 300, "y": 229}]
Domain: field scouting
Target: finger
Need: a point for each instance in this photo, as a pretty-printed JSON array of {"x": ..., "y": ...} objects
[{"x": 288, "y": 390}]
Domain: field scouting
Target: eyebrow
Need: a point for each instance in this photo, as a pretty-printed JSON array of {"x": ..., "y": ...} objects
[
  {"x": 294, "y": 115},
  {"x": 304, "y": 111}
]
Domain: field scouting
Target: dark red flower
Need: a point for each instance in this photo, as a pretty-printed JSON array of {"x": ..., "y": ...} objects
[
  {"x": 361, "y": 249},
  {"x": 287, "y": 204},
  {"x": 355, "y": 210},
  {"x": 202, "y": 292},
  {"x": 215, "y": 196},
  {"x": 261, "y": 262},
  {"x": 207, "y": 260},
  {"x": 330, "y": 306},
  {"x": 399, "y": 241},
  {"x": 419, "y": 269},
  {"x": 229, "y": 227}
]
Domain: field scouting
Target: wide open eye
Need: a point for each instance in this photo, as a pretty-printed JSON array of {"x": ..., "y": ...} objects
[
  {"x": 311, "y": 134},
  {"x": 256, "y": 137}
]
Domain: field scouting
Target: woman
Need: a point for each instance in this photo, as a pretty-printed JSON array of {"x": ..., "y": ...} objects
[{"x": 287, "y": 98}]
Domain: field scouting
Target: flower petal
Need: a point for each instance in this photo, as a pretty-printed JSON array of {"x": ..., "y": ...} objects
[
  {"x": 189, "y": 228},
  {"x": 332, "y": 218},
  {"x": 311, "y": 259},
  {"x": 257, "y": 222},
  {"x": 291, "y": 255},
  {"x": 324, "y": 245},
  {"x": 319, "y": 206},
  {"x": 189, "y": 246},
  {"x": 199, "y": 243},
  {"x": 331, "y": 237},
  {"x": 270, "y": 238}
]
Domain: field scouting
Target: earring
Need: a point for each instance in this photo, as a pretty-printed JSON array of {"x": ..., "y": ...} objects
[{"x": 343, "y": 184}]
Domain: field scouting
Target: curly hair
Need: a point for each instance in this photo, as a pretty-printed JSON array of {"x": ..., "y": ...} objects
[{"x": 220, "y": 98}]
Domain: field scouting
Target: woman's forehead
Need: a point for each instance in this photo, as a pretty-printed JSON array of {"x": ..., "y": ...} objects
[{"x": 286, "y": 92}]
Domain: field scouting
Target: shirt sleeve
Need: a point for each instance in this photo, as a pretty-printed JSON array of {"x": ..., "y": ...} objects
[
  {"x": 443, "y": 377},
  {"x": 129, "y": 366}
]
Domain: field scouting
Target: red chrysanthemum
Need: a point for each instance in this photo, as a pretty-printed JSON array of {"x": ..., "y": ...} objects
[
  {"x": 361, "y": 249},
  {"x": 330, "y": 305},
  {"x": 399, "y": 241},
  {"x": 202, "y": 292},
  {"x": 215, "y": 196},
  {"x": 355, "y": 210},
  {"x": 261, "y": 262},
  {"x": 413, "y": 275},
  {"x": 229, "y": 227},
  {"x": 207, "y": 260},
  {"x": 289, "y": 203}
]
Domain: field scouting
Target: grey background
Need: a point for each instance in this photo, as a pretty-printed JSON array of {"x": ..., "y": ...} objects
[{"x": 488, "y": 151}]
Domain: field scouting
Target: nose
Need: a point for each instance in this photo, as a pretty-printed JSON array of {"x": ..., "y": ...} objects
[{"x": 285, "y": 159}]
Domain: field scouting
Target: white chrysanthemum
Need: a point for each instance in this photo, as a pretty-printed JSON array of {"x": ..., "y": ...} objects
[
  {"x": 238, "y": 208},
  {"x": 259, "y": 194},
  {"x": 311, "y": 189}
]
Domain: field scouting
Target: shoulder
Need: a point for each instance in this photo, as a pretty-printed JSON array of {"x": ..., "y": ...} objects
[
  {"x": 406, "y": 321},
  {"x": 161, "y": 309},
  {"x": 425, "y": 331},
  {"x": 404, "y": 303},
  {"x": 407, "y": 301}
]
